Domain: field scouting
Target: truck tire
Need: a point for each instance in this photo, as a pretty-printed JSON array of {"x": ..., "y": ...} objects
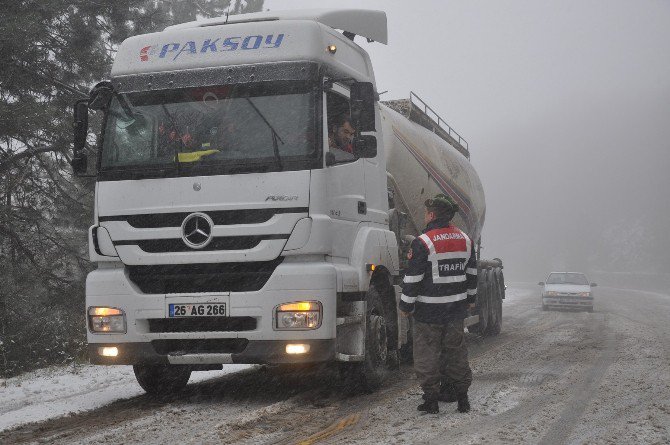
[
  {"x": 162, "y": 379},
  {"x": 371, "y": 373},
  {"x": 495, "y": 304},
  {"x": 374, "y": 367},
  {"x": 483, "y": 299}
]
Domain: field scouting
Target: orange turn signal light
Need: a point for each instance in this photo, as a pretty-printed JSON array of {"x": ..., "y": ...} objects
[
  {"x": 299, "y": 306},
  {"x": 104, "y": 311}
]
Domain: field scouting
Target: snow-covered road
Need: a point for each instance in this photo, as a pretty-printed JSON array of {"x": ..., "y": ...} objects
[{"x": 549, "y": 377}]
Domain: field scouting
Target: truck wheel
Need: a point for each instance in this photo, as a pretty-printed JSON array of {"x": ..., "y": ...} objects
[
  {"x": 374, "y": 369},
  {"x": 482, "y": 304},
  {"x": 495, "y": 300},
  {"x": 162, "y": 379},
  {"x": 369, "y": 374}
]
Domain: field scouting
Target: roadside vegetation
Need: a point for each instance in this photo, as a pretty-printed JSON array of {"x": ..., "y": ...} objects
[{"x": 52, "y": 53}]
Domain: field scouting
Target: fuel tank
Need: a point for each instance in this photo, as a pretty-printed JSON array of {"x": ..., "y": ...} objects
[{"x": 424, "y": 157}]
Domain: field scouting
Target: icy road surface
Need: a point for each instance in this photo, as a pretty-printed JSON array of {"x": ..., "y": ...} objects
[{"x": 550, "y": 378}]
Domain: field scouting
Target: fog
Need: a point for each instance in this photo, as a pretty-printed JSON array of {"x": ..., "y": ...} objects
[{"x": 566, "y": 108}]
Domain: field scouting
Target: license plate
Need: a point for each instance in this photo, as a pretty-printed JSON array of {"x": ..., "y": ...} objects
[{"x": 198, "y": 310}]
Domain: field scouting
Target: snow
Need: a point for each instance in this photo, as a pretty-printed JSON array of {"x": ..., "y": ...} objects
[
  {"x": 550, "y": 377},
  {"x": 58, "y": 391}
]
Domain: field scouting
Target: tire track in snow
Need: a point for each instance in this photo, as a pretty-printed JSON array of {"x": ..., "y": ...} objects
[{"x": 583, "y": 392}]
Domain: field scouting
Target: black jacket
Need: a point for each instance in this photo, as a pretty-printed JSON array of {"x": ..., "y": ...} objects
[{"x": 441, "y": 276}]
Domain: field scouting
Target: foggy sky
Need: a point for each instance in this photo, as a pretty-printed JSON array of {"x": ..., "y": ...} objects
[{"x": 566, "y": 108}]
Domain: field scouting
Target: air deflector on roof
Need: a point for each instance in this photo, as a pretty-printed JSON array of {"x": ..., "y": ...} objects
[{"x": 363, "y": 22}]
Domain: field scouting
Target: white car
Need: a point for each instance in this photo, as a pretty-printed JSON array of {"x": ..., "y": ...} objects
[{"x": 567, "y": 290}]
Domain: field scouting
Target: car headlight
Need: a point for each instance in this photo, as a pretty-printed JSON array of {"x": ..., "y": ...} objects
[
  {"x": 551, "y": 293},
  {"x": 106, "y": 320},
  {"x": 298, "y": 315},
  {"x": 585, "y": 294}
]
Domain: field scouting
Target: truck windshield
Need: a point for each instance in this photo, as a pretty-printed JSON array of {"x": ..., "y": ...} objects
[
  {"x": 567, "y": 278},
  {"x": 222, "y": 128}
]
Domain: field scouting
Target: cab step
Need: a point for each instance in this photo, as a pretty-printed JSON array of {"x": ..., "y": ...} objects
[
  {"x": 349, "y": 320},
  {"x": 349, "y": 358}
]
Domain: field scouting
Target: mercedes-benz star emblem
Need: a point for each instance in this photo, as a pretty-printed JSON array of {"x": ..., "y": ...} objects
[{"x": 196, "y": 230}]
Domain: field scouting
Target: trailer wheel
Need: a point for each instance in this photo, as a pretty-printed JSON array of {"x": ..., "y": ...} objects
[
  {"x": 483, "y": 291},
  {"x": 162, "y": 379},
  {"x": 495, "y": 306}
]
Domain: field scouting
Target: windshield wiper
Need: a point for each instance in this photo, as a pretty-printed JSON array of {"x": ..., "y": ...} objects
[{"x": 275, "y": 135}]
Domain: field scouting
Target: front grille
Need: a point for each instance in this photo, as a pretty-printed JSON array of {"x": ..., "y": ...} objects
[
  {"x": 200, "y": 346},
  {"x": 219, "y": 217},
  {"x": 220, "y": 243},
  {"x": 216, "y": 277},
  {"x": 202, "y": 324}
]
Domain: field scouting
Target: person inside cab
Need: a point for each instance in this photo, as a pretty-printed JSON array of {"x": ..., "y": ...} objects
[{"x": 341, "y": 136}]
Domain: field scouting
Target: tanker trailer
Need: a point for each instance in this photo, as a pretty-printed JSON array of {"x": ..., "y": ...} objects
[{"x": 425, "y": 157}]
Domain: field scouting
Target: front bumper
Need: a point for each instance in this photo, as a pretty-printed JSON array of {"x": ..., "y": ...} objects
[
  {"x": 261, "y": 352},
  {"x": 151, "y": 339},
  {"x": 568, "y": 301}
]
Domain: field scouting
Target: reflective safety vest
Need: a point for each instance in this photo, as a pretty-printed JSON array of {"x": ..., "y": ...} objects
[{"x": 441, "y": 277}]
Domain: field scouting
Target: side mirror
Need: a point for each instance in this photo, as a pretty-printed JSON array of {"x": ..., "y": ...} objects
[
  {"x": 79, "y": 161},
  {"x": 594, "y": 284},
  {"x": 541, "y": 283},
  {"x": 362, "y": 95},
  {"x": 101, "y": 95},
  {"x": 79, "y": 164},
  {"x": 365, "y": 146}
]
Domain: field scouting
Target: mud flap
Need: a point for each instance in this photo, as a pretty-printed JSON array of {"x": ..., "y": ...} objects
[{"x": 351, "y": 333}]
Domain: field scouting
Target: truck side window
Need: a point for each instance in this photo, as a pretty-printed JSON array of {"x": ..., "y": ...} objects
[{"x": 340, "y": 128}]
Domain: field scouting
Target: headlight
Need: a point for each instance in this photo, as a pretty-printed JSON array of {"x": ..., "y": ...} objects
[
  {"x": 107, "y": 320},
  {"x": 298, "y": 315},
  {"x": 551, "y": 293},
  {"x": 585, "y": 294}
]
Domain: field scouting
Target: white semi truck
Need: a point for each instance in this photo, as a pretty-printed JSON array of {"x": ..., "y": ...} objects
[{"x": 226, "y": 228}]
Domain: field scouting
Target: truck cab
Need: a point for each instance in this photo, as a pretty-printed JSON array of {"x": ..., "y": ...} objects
[{"x": 229, "y": 227}]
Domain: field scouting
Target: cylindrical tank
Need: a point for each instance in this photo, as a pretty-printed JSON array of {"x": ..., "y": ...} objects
[{"x": 422, "y": 164}]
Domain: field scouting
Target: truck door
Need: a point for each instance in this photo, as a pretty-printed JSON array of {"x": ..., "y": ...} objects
[
  {"x": 346, "y": 185},
  {"x": 376, "y": 193}
]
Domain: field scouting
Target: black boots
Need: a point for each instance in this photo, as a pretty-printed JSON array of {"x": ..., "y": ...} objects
[
  {"x": 463, "y": 403},
  {"x": 449, "y": 395},
  {"x": 429, "y": 406}
]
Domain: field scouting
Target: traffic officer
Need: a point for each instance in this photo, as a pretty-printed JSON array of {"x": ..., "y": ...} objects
[{"x": 439, "y": 285}]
